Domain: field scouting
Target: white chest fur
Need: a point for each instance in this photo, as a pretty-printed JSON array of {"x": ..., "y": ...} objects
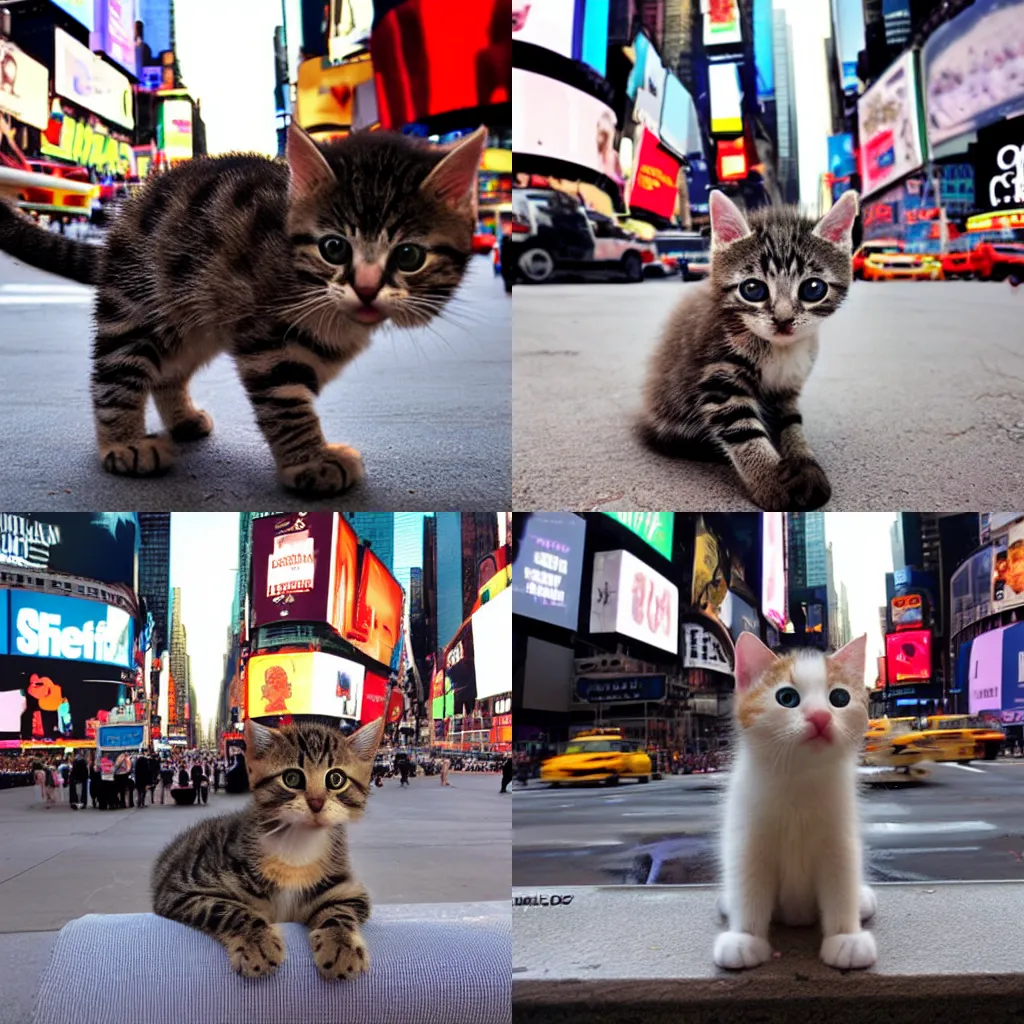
[
  {"x": 294, "y": 860},
  {"x": 787, "y": 367}
]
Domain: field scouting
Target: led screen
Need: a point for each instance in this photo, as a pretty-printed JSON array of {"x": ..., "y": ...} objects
[
  {"x": 546, "y": 574},
  {"x": 492, "y": 646},
  {"x": 726, "y": 104},
  {"x": 630, "y": 598},
  {"x": 909, "y": 655}
]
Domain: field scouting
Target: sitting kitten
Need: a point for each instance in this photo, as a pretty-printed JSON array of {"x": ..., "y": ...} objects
[
  {"x": 288, "y": 266},
  {"x": 791, "y": 848},
  {"x": 284, "y": 858},
  {"x": 725, "y": 378}
]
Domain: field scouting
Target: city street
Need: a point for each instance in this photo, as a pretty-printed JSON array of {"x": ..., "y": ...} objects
[
  {"x": 917, "y": 399},
  {"x": 424, "y": 844},
  {"x": 430, "y": 410},
  {"x": 961, "y": 823}
]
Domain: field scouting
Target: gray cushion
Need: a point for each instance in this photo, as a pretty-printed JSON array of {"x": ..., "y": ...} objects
[{"x": 436, "y": 964}]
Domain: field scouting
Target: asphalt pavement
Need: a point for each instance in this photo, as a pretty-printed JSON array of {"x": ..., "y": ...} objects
[
  {"x": 960, "y": 823},
  {"x": 421, "y": 844},
  {"x": 917, "y": 399},
  {"x": 429, "y": 409}
]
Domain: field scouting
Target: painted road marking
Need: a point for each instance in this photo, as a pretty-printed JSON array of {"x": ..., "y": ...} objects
[
  {"x": 963, "y": 767},
  {"x": 909, "y": 828}
]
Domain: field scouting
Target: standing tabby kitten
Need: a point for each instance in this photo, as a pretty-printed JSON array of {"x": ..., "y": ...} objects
[
  {"x": 791, "y": 847},
  {"x": 287, "y": 266},
  {"x": 724, "y": 381},
  {"x": 284, "y": 858}
]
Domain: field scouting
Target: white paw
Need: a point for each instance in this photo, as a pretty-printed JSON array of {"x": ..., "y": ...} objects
[
  {"x": 868, "y": 903},
  {"x": 855, "y": 950},
  {"x": 738, "y": 950}
]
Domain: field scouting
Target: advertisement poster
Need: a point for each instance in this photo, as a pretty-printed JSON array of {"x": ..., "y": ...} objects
[
  {"x": 654, "y": 177},
  {"x": 985, "y": 691},
  {"x": 175, "y": 129},
  {"x": 709, "y": 589},
  {"x": 999, "y": 158},
  {"x": 722, "y": 22},
  {"x": 549, "y": 24},
  {"x": 726, "y": 99},
  {"x": 890, "y": 127},
  {"x": 304, "y": 683},
  {"x": 679, "y": 128},
  {"x": 972, "y": 70},
  {"x": 656, "y": 528},
  {"x": 1008, "y": 568},
  {"x": 907, "y": 611},
  {"x": 1012, "y": 703},
  {"x": 114, "y": 34},
  {"x": 492, "y": 643},
  {"x": 70, "y": 628},
  {"x": 89, "y": 145},
  {"x": 703, "y": 650},
  {"x": 842, "y": 162},
  {"x": 84, "y": 78},
  {"x": 377, "y": 628},
  {"x": 909, "y": 655},
  {"x": 631, "y": 598},
  {"x": 616, "y": 689},
  {"x": 546, "y": 574},
  {"x": 773, "y": 569},
  {"x": 375, "y": 695},
  {"x": 326, "y": 94},
  {"x": 25, "y": 93},
  {"x": 649, "y": 78},
  {"x": 460, "y": 673}
]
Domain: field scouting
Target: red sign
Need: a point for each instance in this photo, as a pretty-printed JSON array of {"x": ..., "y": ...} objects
[
  {"x": 908, "y": 655},
  {"x": 732, "y": 158},
  {"x": 396, "y": 706},
  {"x": 375, "y": 691},
  {"x": 654, "y": 178}
]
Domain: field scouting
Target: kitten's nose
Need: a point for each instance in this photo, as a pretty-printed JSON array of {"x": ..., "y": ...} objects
[
  {"x": 367, "y": 283},
  {"x": 821, "y": 720},
  {"x": 315, "y": 803}
]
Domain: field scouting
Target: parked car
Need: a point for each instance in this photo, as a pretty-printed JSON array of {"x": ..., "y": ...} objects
[
  {"x": 996, "y": 261},
  {"x": 687, "y": 251},
  {"x": 879, "y": 247},
  {"x": 913, "y": 266},
  {"x": 958, "y": 262}
]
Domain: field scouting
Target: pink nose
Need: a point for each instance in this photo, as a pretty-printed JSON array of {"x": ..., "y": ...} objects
[{"x": 821, "y": 720}]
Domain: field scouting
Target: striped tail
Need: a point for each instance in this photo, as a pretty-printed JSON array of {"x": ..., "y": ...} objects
[{"x": 25, "y": 240}]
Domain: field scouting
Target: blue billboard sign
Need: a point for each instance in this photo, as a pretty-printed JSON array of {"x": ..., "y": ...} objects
[
  {"x": 71, "y": 629},
  {"x": 3, "y": 621},
  {"x": 620, "y": 688},
  {"x": 120, "y": 737},
  {"x": 1013, "y": 670},
  {"x": 764, "y": 49},
  {"x": 594, "y": 44},
  {"x": 548, "y": 569}
]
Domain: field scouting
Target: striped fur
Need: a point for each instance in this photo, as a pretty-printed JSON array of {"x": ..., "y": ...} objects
[
  {"x": 725, "y": 380},
  {"x": 284, "y": 858},
  {"x": 224, "y": 254}
]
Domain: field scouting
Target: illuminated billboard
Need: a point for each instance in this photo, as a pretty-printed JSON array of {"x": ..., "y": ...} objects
[
  {"x": 326, "y": 95},
  {"x": 655, "y": 172},
  {"x": 655, "y": 528},
  {"x": 907, "y": 611},
  {"x": 549, "y": 24},
  {"x": 174, "y": 129},
  {"x": 726, "y": 99},
  {"x": 304, "y": 683},
  {"x": 460, "y": 672},
  {"x": 71, "y": 629},
  {"x": 114, "y": 32},
  {"x": 722, "y": 23},
  {"x": 28, "y": 98},
  {"x": 85, "y": 78},
  {"x": 547, "y": 572},
  {"x": 375, "y": 695},
  {"x": 985, "y": 684},
  {"x": 81, "y": 10},
  {"x": 492, "y": 646},
  {"x": 773, "y": 568},
  {"x": 1008, "y": 567},
  {"x": 908, "y": 656},
  {"x": 630, "y": 598}
]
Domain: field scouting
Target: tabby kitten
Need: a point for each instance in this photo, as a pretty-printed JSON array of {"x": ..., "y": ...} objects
[
  {"x": 283, "y": 858},
  {"x": 791, "y": 847},
  {"x": 724, "y": 381},
  {"x": 289, "y": 266}
]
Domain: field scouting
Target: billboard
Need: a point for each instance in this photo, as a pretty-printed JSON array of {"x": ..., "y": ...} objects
[
  {"x": 71, "y": 629},
  {"x": 26, "y": 92},
  {"x": 703, "y": 650},
  {"x": 549, "y": 24},
  {"x": 492, "y": 646},
  {"x": 655, "y": 528},
  {"x": 909, "y": 655},
  {"x": 304, "y": 683},
  {"x": 326, "y": 95},
  {"x": 999, "y": 163},
  {"x": 3, "y": 620},
  {"x": 679, "y": 127},
  {"x": 1008, "y": 567},
  {"x": 1012, "y": 703},
  {"x": 722, "y": 23},
  {"x": 708, "y": 589},
  {"x": 971, "y": 72},
  {"x": 726, "y": 99},
  {"x": 594, "y": 43},
  {"x": 907, "y": 612},
  {"x": 555, "y": 120},
  {"x": 114, "y": 32},
  {"x": 375, "y": 695},
  {"x": 174, "y": 129},
  {"x": 423, "y": 68},
  {"x": 376, "y": 629},
  {"x": 349, "y": 28},
  {"x": 460, "y": 673},
  {"x": 546, "y": 574},
  {"x": 773, "y": 568},
  {"x": 842, "y": 162},
  {"x": 81, "y": 10},
  {"x": 646, "y": 83},
  {"x": 888, "y": 115},
  {"x": 120, "y": 737},
  {"x": 630, "y": 598},
  {"x": 985, "y": 690},
  {"x": 617, "y": 689},
  {"x": 655, "y": 171},
  {"x": 84, "y": 78}
]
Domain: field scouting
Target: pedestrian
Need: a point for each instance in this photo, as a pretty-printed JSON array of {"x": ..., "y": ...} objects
[
  {"x": 508, "y": 771},
  {"x": 199, "y": 782},
  {"x": 142, "y": 777},
  {"x": 444, "y": 772},
  {"x": 122, "y": 778},
  {"x": 51, "y": 784},
  {"x": 166, "y": 779},
  {"x": 79, "y": 782},
  {"x": 40, "y": 778},
  {"x": 154, "y": 776},
  {"x": 403, "y": 771},
  {"x": 95, "y": 781}
]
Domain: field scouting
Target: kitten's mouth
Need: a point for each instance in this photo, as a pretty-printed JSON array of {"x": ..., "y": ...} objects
[
  {"x": 822, "y": 737},
  {"x": 368, "y": 315},
  {"x": 784, "y": 330}
]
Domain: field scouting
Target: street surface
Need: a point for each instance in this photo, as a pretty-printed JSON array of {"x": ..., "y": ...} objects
[
  {"x": 430, "y": 410},
  {"x": 961, "y": 823},
  {"x": 424, "y": 844},
  {"x": 917, "y": 399}
]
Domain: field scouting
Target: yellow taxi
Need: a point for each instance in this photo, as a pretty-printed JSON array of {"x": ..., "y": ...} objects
[
  {"x": 959, "y": 738},
  {"x": 880, "y": 749},
  {"x": 598, "y": 755},
  {"x": 895, "y": 266}
]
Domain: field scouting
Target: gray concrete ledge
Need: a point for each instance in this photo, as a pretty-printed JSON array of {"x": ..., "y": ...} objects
[{"x": 946, "y": 952}]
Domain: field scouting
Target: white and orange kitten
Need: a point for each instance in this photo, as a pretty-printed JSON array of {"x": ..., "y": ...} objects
[{"x": 791, "y": 845}]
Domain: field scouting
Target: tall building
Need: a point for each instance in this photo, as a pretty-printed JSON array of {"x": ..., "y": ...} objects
[
  {"x": 418, "y": 622},
  {"x": 479, "y": 542},
  {"x": 846, "y": 633},
  {"x": 807, "y": 550},
  {"x": 155, "y": 573},
  {"x": 834, "y": 628},
  {"x": 179, "y": 662},
  {"x": 377, "y": 530},
  {"x": 245, "y": 560},
  {"x": 785, "y": 108},
  {"x": 430, "y": 638},
  {"x": 449, "y": 575}
]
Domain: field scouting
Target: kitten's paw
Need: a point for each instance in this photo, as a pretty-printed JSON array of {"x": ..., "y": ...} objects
[
  {"x": 339, "y": 953},
  {"x": 336, "y": 468},
  {"x": 738, "y": 950},
  {"x": 853, "y": 951},
  {"x": 195, "y": 427},
  {"x": 149, "y": 456},
  {"x": 257, "y": 952},
  {"x": 868, "y": 903},
  {"x": 806, "y": 484}
]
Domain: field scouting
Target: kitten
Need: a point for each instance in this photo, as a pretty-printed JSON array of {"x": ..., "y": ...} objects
[
  {"x": 724, "y": 382},
  {"x": 283, "y": 858},
  {"x": 791, "y": 848},
  {"x": 289, "y": 266}
]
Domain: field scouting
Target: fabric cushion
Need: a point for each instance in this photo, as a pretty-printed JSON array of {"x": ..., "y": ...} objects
[{"x": 430, "y": 964}]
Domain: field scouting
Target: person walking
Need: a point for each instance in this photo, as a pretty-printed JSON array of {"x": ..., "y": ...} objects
[
  {"x": 444, "y": 772},
  {"x": 79, "y": 782},
  {"x": 52, "y": 780},
  {"x": 142, "y": 777},
  {"x": 95, "y": 780},
  {"x": 166, "y": 779},
  {"x": 508, "y": 771},
  {"x": 122, "y": 778},
  {"x": 403, "y": 771},
  {"x": 200, "y": 783}
]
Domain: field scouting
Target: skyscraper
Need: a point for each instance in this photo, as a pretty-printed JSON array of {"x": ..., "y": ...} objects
[
  {"x": 430, "y": 585},
  {"x": 155, "y": 573},
  {"x": 807, "y": 564},
  {"x": 377, "y": 529},
  {"x": 449, "y": 575},
  {"x": 479, "y": 542},
  {"x": 179, "y": 662}
]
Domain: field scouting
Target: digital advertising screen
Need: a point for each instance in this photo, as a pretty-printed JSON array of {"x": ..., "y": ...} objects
[
  {"x": 547, "y": 572},
  {"x": 909, "y": 655},
  {"x": 492, "y": 646},
  {"x": 848, "y": 18},
  {"x": 375, "y": 695},
  {"x": 630, "y": 598},
  {"x": 985, "y": 676},
  {"x": 304, "y": 683},
  {"x": 726, "y": 99},
  {"x": 764, "y": 49},
  {"x": 114, "y": 32},
  {"x": 1013, "y": 672},
  {"x": 655, "y": 173},
  {"x": 773, "y": 568},
  {"x": 842, "y": 162},
  {"x": 641, "y": 47},
  {"x": 679, "y": 128},
  {"x": 81, "y": 10},
  {"x": 595, "y": 34},
  {"x": 174, "y": 129},
  {"x": 1008, "y": 568},
  {"x": 71, "y": 629},
  {"x": 656, "y": 528},
  {"x": 999, "y": 166},
  {"x": 907, "y": 611},
  {"x": 731, "y": 158},
  {"x": 378, "y": 625},
  {"x": 30, "y": 101},
  {"x": 555, "y": 120},
  {"x": 722, "y": 23},
  {"x": 460, "y": 673},
  {"x": 326, "y": 94},
  {"x": 650, "y": 94},
  {"x": 549, "y": 24},
  {"x": 86, "y": 79}
]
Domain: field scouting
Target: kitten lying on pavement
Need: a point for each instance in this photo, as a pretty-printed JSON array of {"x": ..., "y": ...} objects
[
  {"x": 288, "y": 266},
  {"x": 791, "y": 846},
  {"x": 724, "y": 382}
]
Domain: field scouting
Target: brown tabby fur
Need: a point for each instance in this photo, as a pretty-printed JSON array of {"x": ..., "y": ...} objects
[
  {"x": 237, "y": 876},
  {"x": 221, "y": 254}
]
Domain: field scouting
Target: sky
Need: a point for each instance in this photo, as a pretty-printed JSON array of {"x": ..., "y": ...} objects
[{"x": 861, "y": 556}]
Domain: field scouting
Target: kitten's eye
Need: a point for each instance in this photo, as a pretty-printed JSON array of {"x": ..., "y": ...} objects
[
  {"x": 409, "y": 258},
  {"x": 788, "y": 697},
  {"x": 813, "y": 290},
  {"x": 839, "y": 698},
  {"x": 753, "y": 290},
  {"x": 336, "y": 779},
  {"x": 294, "y": 779},
  {"x": 335, "y": 249}
]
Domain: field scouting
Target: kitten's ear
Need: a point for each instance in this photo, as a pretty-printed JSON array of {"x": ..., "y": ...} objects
[
  {"x": 851, "y": 657},
  {"x": 837, "y": 225},
  {"x": 752, "y": 660},
  {"x": 258, "y": 739},
  {"x": 366, "y": 739},
  {"x": 310, "y": 171},
  {"x": 454, "y": 178},
  {"x": 728, "y": 224}
]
